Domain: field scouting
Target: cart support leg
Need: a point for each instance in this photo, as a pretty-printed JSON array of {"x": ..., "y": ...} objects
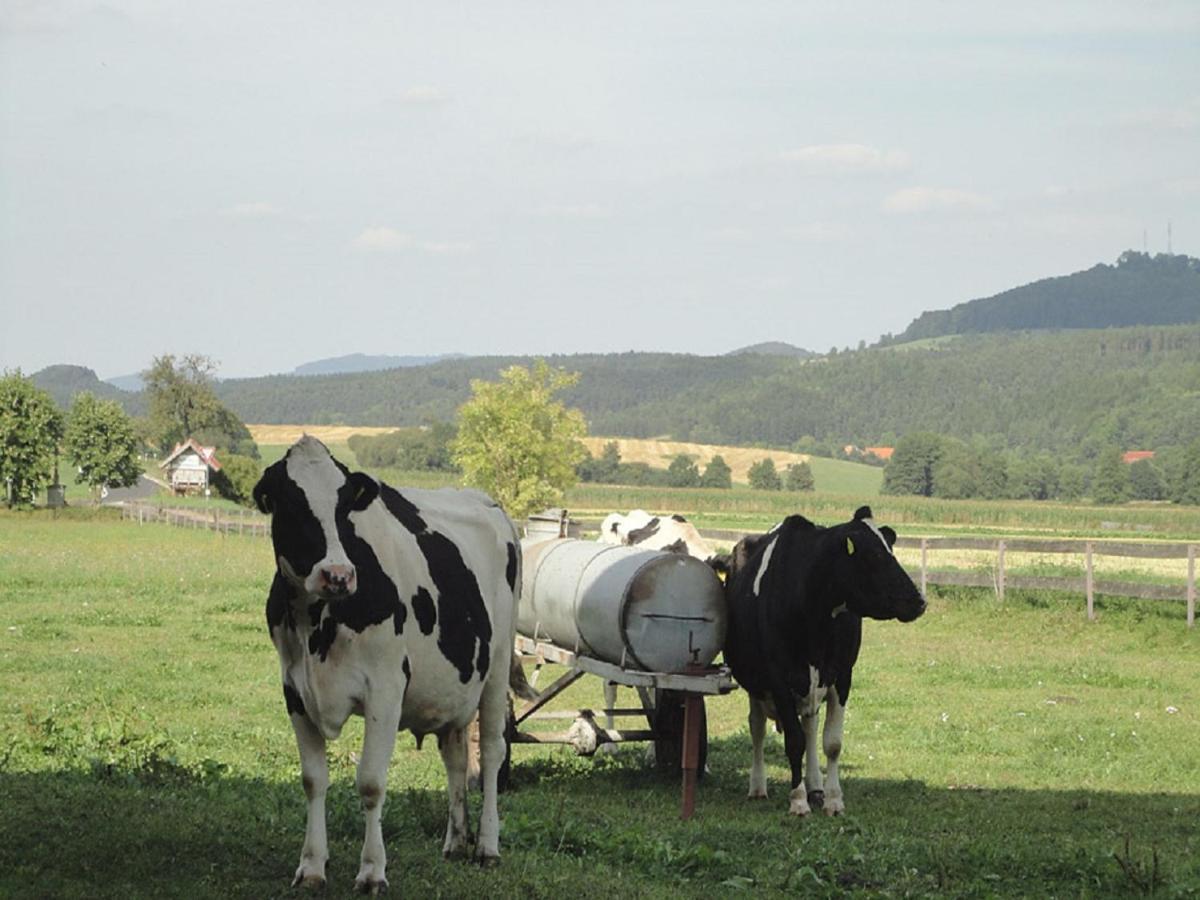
[{"x": 693, "y": 717}]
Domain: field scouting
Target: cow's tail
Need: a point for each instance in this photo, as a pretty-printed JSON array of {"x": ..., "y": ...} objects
[{"x": 517, "y": 682}]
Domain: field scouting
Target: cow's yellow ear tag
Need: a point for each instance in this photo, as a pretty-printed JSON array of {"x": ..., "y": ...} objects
[{"x": 849, "y": 546}]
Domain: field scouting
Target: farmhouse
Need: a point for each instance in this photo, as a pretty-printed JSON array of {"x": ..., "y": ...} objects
[{"x": 189, "y": 467}]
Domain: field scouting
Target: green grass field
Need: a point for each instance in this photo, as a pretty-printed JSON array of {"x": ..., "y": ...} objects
[{"x": 1012, "y": 750}]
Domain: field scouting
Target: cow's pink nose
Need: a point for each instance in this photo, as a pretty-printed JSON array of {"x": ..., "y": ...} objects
[{"x": 338, "y": 579}]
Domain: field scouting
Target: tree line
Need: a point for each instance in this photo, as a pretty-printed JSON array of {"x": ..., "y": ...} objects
[{"x": 935, "y": 465}]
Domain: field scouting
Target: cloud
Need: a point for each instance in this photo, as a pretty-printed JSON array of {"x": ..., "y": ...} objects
[
  {"x": 382, "y": 240},
  {"x": 258, "y": 209},
  {"x": 445, "y": 248},
  {"x": 846, "y": 159},
  {"x": 733, "y": 234},
  {"x": 819, "y": 232},
  {"x": 422, "y": 95},
  {"x": 579, "y": 211},
  {"x": 918, "y": 200},
  {"x": 1181, "y": 118}
]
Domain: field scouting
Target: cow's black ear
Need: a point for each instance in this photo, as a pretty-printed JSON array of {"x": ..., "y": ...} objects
[
  {"x": 863, "y": 512},
  {"x": 262, "y": 490},
  {"x": 889, "y": 535},
  {"x": 364, "y": 489}
]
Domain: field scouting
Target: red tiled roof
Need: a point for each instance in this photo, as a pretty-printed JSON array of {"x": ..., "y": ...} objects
[
  {"x": 208, "y": 454},
  {"x": 1132, "y": 456},
  {"x": 880, "y": 452}
]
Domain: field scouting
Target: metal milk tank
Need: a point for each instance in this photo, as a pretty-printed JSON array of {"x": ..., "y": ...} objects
[{"x": 640, "y": 609}]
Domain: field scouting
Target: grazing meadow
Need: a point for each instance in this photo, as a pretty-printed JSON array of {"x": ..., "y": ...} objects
[{"x": 991, "y": 750}]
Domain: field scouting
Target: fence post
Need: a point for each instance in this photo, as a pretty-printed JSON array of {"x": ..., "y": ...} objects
[
  {"x": 1191, "y": 587},
  {"x": 1089, "y": 582},
  {"x": 1000, "y": 566},
  {"x": 923, "y": 582}
]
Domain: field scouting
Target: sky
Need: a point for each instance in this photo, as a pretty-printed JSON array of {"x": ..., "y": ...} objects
[{"x": 272, "y": 183}]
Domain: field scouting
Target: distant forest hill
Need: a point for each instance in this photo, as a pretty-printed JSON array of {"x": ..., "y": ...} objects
[
  {"x": 361, "y": 362},
  {"x": 1071, "y": 392},
  {"x": 1138, "y": 290}
]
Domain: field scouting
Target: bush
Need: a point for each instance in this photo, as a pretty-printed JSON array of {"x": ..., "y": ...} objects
[
  {"x": 763, "y": 475},
  {"x": 237, "y": 478}
]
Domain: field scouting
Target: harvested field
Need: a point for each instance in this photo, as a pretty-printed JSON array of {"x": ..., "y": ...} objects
[
  {"x": 328, "y": 434},
  {"x": 660, "y": 453}
]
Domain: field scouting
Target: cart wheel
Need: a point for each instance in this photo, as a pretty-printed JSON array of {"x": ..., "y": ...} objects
[{"x": 668, "y": 722}]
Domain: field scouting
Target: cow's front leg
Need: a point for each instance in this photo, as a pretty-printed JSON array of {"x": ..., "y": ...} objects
[
  {"x": 835, "y": 717},
  {"x": 758, "y": 731},
  {"x": 314, "y": 772},
  {"x": 382, "y": 720},
  {"x": 793, "y": 745},
  {"x": 453, "y": 747},
  {"x": 809, "y": 721}
]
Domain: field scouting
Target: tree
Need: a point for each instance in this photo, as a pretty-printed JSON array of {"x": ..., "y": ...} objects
[
  {"x": 605, "y": 469},
  {"x": 955, "y": 474},
  {"x": 184, "y": 404},
  {"x": 102, "y": 443},
  {"x": 1187, "y": 480},
  {"x": 1111, "y": 482},
  {"x": 799, "y": 477},
  {"x": 683, "y": 472},
  {"x": 1145, "y": 481},
  {"x": 516, "y": 442},
  {"x": 717, "y": 473},
  {"x": 762, "y": 475},
  {"x": 182, "y": 400},
  {"x": 30, "y": 428},
  {"x": 910, "y": 470}
]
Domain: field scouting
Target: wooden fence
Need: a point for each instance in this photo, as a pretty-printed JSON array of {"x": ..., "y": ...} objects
[
  {"x": 225, "y": 521},
  {"x": 997, "y": 577}
]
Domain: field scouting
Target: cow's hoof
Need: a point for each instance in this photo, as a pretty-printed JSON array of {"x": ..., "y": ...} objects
[
  {"x": 757, "y": 792},
  {"x": 309, "y": 881},
  {"x": 798, "y": 803},
  {"x": 816, "y": 799},
  {"x": 459, "y": 852},
  {"x": 487, "y": 860},
  {"x": 371, "y": 886},
  {"x": 835, "y": 807}
]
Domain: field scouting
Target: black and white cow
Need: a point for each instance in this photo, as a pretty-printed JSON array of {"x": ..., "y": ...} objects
[
  {"x": 674, "y": 534},
  {"x": 797, "y": 597},
  {"x": 400, "y": 608}
]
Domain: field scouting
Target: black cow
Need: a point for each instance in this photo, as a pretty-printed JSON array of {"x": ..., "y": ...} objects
[
  {"x": 400, "y": 608},
  {"x": 797, "y": 597}
]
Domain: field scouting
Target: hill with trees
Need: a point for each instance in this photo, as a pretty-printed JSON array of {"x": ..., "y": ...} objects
[
  {"x": 1138, "y": 290},
  {"x": 775, "y": 348},
  {"x": 1068, "y": 392},
  {"x": 361, "y": 362},
  {"x": 64, "y": 383}
]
